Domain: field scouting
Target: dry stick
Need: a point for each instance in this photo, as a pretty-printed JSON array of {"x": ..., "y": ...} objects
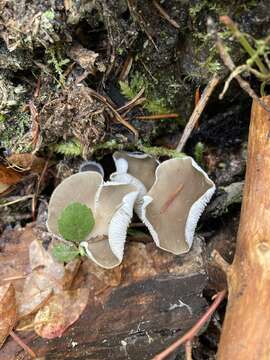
[
  {"x": 157, "y": 117},
  {"x": 245, "y": 331},
  {"x": 198, "y": 111},
  {"x": 22, "y": 344},
  {"x": 195, "y": 329},
  {"x": 115, "y": 112},
  {"x": 165, "y": 15}
]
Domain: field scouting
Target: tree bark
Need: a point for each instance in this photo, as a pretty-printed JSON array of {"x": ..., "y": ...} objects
[{"x": 246, "y": 329}]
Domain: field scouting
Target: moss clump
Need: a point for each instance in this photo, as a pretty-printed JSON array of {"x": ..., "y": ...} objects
[{"x": 159, "y": 151}]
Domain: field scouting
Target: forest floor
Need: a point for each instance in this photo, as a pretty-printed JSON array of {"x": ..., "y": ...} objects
[{"x": 67, "y": 66}]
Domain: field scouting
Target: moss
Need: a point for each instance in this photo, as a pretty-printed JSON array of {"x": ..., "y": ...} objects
[
  {"x": 198, "y": 153},
  {"x": 159, "y": 151},
  {"x": 57, "y": 61},
  {"x": 14, "y": 134}
]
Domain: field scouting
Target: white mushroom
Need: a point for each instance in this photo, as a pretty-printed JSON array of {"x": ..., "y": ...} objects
[
  {"x": 137, "y": 169},
  {"x": 173, "y": 205},
  {"x": 112, "y": 205}
]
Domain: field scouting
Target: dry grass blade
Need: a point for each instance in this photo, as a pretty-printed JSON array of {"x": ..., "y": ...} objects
[
  {"x": 198, "y": 111},
  {"x": 23, "y": 345}
]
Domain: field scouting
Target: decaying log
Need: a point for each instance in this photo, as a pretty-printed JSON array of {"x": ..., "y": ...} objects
[
  {"x": 246, "y": 329},
  {"x": 134, "y": 310}
]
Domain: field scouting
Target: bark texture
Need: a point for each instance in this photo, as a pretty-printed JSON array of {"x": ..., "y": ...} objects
[{"x": 245, "y": 334}]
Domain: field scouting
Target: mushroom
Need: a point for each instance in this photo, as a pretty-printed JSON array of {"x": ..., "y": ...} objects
[
  {"x": 139, "y": 165},
  {"x": 173, "y": 205},
  {"x": 92, "y": 166},
  {"x": 112, "y": 205}
]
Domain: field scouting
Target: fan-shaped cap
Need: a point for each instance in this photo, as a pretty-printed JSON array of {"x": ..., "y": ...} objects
[
  {"x": 138, "y": 165},
  {"x": 173, "y": 205},
  {"x": 112, "y": 206}
]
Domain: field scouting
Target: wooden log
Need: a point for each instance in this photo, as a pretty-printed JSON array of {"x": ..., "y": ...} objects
[
  {"x": 134, "y": 311},
  {"x": 246, "y": 334}
]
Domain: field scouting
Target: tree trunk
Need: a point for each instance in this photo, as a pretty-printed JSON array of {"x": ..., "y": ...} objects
[{"x": 246, "y": 329}]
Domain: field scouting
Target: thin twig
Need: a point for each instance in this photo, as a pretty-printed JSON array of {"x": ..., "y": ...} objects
[
  {"x": 115, "y": 112},
  {"x": 22, "y": 344},
  {"x": 12, "y": 278},
  {"x": 226, "y": 58},
  {"x": 133, "y": 101},
  {"x": 188, "y": 350},
  {"x": 19, "y": 199},
  {"x": 195, "y": 329},
  {"x": 157, "y": 117},
  {"x": 219, "y": 261},
  {"x": 198, "y": 111},
  {"x": 165, "y": 15}
]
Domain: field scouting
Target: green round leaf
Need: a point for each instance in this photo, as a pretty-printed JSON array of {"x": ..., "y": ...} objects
[
  {"x": 64, "y": 252},
  {"x": 76, "y": 222}
]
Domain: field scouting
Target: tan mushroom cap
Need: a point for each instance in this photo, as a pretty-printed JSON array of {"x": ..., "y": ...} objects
[
  {"x": 139, "y": 165},
  {"x": 175, "y": 202},
  {"x": 81, "y": 187},
  {"x": 112, "y": 205},
  {"x": 113, "y": 212}
]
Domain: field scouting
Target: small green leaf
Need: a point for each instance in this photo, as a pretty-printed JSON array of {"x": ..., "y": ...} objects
[
  {"x": 65, "y": 252},
  {"x": 76, "y": 222}
]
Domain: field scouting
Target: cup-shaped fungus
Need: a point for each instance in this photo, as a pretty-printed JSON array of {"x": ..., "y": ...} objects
[
  {"x": 137, "y": 169},
  {"x": 112, "y": 206},
  {"x": 173, "y": 205}
]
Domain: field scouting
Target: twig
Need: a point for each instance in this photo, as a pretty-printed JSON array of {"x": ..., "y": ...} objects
[
  {"x": 219, "y": 261},
  {"x": 198, "y": 111},
  {"x": 195, "y": 329},
  {"x": 231, "y": 25},
  {"x": 165, "y": 15},
  {"x": 34, "y": 200},
  {"x": 115, "y": 112},
  {"x": 188, "y": 350},
  {"x": 19, "y": 199},
  {"x": 226, "y": 58},
  {"x": 132, "y": 102},
  {"x": 157, "y": 117},
  {"x": 22, "y": 344},
  {"x": 17, "y": 277}
]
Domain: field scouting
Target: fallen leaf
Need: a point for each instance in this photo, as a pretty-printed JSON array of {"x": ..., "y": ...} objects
[
  {"x": 8, "y": 177},
  {"x": 47, "y": 277},
  {"x": 26, "y": 162},
  {"x": 60, "y": 313},
  {"x": 8, "y": 311}
]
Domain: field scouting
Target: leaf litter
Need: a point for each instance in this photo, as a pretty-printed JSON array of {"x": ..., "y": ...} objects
[{"x": 46, "y": 303}]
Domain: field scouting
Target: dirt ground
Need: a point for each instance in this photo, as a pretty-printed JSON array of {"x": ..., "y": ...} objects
[{"x": 65, "y": 66}]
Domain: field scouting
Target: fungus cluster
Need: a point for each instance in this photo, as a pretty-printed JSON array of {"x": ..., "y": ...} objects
[{"x": 168, "y": 197}]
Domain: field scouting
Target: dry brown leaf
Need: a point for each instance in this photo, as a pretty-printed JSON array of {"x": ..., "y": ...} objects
[
  {"x": 61, "y": 312},
  {"x": 8, "y": 177},
  {"x": 26, "y": 162},
  {"x": 47, "y": 277},
  {"x": 8, "y": 311}
]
